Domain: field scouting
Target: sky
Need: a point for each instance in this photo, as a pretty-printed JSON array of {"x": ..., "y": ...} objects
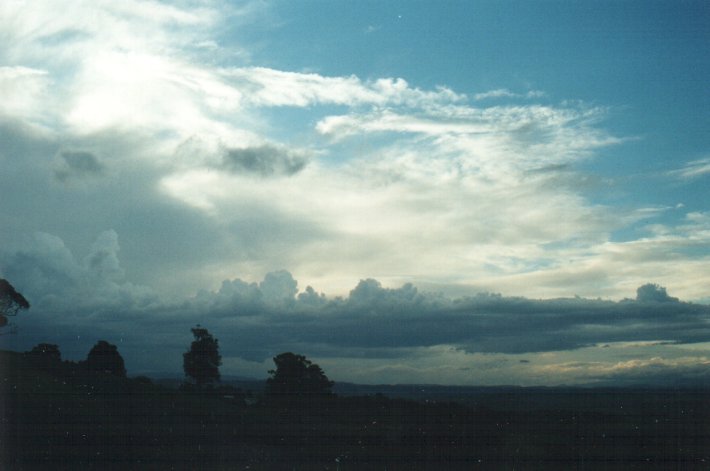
[{"x": 458, "y": 192}]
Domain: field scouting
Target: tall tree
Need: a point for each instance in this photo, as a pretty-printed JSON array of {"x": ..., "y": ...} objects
[
  {"x": 10, "y": 302},
  {"x": 296, "y": 375},
  {"x": 104, "y": 358},
  {"x": 201, "y": 363}
]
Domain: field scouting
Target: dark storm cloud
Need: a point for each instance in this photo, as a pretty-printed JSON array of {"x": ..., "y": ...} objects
[
  {"x": 264, "y": 161},
  {"x": 77, "y": 165},
  {"x": 75, "y": 299},
  {"x": 373, "y": 318}
]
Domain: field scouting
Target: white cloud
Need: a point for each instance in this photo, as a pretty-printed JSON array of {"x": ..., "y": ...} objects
[
  {"x": 694, "y": 169},
  {"x": 444, "y": 191},
  {"x": 23, "y": 91},
  {"x": 497, "y": 93},
  {"x": 269, "y": 87},
  {"x": 649, "y": 371},
  {"x": 505, "y": 93}
]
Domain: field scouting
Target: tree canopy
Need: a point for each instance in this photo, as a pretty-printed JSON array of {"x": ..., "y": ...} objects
[
  {"x": 201, "y": 363},
  {"x": 11, "y": 301},
  {"x": 104, "y": 358},
  {"x": 296, "y": 375},
  {"x": 45, "y": 355}
]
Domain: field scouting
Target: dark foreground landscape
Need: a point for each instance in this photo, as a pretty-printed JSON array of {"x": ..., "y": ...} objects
[{"x": 65, "y": 417}]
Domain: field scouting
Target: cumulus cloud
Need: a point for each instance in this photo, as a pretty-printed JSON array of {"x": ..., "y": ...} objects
[
  {"x": 651, "y": 292},
  {"x": 386, "y": 326},
  {"x": 52, "y": 276},
  {"x": 373, "y": 316},
  {"x": 102, "y": 262}
]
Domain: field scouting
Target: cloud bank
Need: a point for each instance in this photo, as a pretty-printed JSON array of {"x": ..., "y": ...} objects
[{"x": 371, "y": 333}]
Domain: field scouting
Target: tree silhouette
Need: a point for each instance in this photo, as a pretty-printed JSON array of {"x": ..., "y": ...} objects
[
  {"x": 10, "y": 302},
  {"x": 201, "y": 363},
  {"x": 104, "y": 358},
  {"x": 45, "y": 356},
  {"x": 296, "y": 375},
  {"x": 46, "y": 350}
]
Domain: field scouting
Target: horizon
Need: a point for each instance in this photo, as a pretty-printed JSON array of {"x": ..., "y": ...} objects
[{"x": 465, "y": 191}]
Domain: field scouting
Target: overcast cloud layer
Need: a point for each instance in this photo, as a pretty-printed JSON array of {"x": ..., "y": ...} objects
[{"x": 147, "y": 156}]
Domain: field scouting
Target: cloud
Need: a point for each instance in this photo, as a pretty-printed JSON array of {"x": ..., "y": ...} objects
[
  {"x": 384, "y": 326},
  {"x": 653, "y": 293},
  {"x": 51, "y": 275},
  {"x": 372, "y": 316},
  {"x": 212, "y": 167},
  {"x": 264, "y": 161},
  {"x": 23, "y": 91},
  {"x": 654, "y": 371},
  {"x": 270, "y": 87},
  {"x": 694, "y": 169},
  {"x": 279, "y": 287},
  {"x": 505, "y": 93},
  {"x": 77, "y": 165},
  {"x": 102, "y": 262},
  {"x": 392, "y": 180}
]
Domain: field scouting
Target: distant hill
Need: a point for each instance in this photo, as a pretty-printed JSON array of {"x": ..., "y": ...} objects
[{"x": 470, "y": 395}]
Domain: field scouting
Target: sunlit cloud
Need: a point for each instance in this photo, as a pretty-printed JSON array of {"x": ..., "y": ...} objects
[{"x": 148, "y": 130}]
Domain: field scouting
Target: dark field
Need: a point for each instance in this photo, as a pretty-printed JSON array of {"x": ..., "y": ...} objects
[{"x": 64, "y": 418}]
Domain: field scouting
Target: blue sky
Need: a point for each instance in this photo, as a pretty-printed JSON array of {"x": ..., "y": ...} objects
[{"x": 249, "y": 154}]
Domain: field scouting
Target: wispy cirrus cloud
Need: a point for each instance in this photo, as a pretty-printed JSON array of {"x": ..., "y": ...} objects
[
  {"x": 269, "y": 87},
  {"x": 693, "y": 169},
  {"x": 505, "y": 93}
]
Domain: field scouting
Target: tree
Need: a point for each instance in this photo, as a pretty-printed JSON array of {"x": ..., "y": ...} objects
[
  {"x": 296, "y": 375},
  {"x": 104, "y": 358},
  {"x": 10, "y": 302},
  {"x": 48, "y": 351},
  {"x": 201, "y": 363},
  {"x": 45, "y": 355}
]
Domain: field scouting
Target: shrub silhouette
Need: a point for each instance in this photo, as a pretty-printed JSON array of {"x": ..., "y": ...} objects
[
  {"x": 201, "y": 363},
  {"x": 104, "y": 358}
]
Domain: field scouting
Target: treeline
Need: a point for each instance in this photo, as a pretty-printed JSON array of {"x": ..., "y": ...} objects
[
  {"x": 68, "y": 415},
  {"x": 294, "y": 374}
]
